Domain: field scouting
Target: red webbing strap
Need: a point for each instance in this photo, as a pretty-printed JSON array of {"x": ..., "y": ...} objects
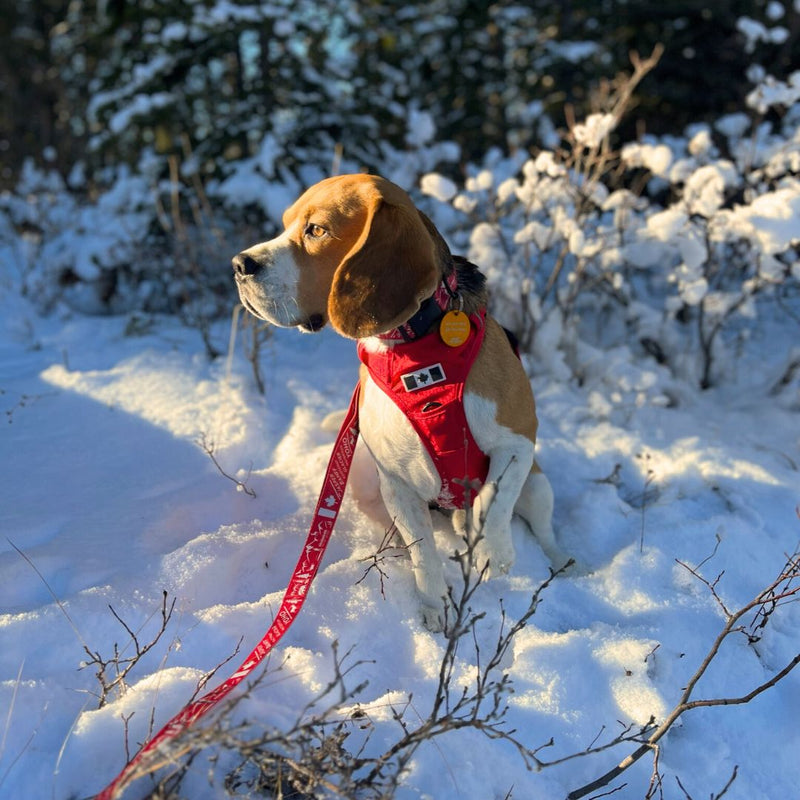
[{"x": 330, "y": 499}]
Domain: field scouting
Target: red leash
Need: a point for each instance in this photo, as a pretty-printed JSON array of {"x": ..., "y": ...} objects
[{"x": 330, "y": 499}]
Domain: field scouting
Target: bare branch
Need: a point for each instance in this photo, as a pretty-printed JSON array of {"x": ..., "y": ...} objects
[
  {"x": 717, "y": 796},
  {"x": 208, "y": 448},
  {"x": 385, "y": 551},
  {"x": 112, "y": 672}
]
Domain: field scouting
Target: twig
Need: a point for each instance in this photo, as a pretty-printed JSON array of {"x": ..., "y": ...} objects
[
  {"x": 203, "y": 682},
  {"x": 123, "y": 665},
  {"x": 49, "y": 588},
  {"x": 208, "y": 448},
  {"x": 11, "y": 709},
  {"x": 728, "y": 784},
  {"x": 649, "y": 478},
  {"x": 713, "y": 796},
  {"x": 8, "y": 727},
  {"x": 382, "y": 553},
  {"x": 656, "y": 780}
]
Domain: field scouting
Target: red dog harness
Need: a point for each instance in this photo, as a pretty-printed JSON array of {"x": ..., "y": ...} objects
[{"x": 425, "y": 378}]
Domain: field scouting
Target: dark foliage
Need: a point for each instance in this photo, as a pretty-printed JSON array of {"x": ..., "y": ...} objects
[{"x": 105, "y": 83}]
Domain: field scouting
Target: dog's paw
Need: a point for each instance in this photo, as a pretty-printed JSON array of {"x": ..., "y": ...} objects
[
  {"x": 493, "y": 566},
  {"x": 433, "y": 617},
  {"x": 496, "y": 554},
  {"x": 499, "y": 566}
]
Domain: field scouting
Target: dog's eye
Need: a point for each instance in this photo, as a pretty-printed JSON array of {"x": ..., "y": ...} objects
[{"x": 314, "y": 231}]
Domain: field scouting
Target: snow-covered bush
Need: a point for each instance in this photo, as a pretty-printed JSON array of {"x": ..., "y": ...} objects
[
  {"x": 675, "y": 245},
  {"x": 86, "y": 253},
  {"x": 139, "y": 244},
  {"x": 267, "y": 183}
]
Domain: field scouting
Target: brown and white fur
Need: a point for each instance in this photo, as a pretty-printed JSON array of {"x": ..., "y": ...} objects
[{"x": 357, "y": 253}]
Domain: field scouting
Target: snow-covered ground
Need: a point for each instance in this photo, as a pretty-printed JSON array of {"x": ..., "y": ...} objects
[{"x": 106, "y": 498}]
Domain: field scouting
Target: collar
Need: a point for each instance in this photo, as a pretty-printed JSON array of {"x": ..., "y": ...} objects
[{"x": 431, "y": 310}]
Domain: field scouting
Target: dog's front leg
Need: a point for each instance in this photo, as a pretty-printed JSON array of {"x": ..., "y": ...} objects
[
  {"x": 413, "y": 522},
  {"x": 493, "y": 506}
]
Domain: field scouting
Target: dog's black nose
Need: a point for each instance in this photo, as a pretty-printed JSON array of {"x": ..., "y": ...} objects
[{"x": 244, "y": 265}]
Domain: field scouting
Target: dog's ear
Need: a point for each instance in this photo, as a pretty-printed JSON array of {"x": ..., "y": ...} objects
[{"x": 391, "y": 269}]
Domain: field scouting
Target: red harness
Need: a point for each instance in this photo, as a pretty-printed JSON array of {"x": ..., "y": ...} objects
[{"x": 425, "y": 379}]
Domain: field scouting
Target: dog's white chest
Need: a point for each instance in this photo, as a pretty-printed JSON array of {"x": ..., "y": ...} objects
[{"x": 395, "y": 445}]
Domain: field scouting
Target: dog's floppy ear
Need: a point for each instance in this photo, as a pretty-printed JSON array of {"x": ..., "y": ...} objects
[{"x": 390, "y": 270}]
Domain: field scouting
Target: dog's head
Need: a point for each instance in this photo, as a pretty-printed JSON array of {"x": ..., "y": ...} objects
[{"x": 354, "y": 251}]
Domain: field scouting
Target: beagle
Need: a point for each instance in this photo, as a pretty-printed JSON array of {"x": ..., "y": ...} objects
[{"x": 357, "y": 253}]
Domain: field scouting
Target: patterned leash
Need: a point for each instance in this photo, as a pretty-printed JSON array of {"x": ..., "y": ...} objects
[{"x": 324, "y": 519}]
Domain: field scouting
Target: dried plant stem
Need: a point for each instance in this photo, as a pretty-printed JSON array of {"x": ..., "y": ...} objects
[
  {"x": 112, "y": 672},
  {"x": 208, "y": 447}
]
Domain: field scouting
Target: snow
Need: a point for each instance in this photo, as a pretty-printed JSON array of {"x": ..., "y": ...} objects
[
  {"x": 112, "y": 501},
  {"x": 772, "y": 92},
  {"x": 754, "y": 31},
  {"x": 705, "y": 190},
  {"x": 439, "y": 187},
  {"x": 656, "y": 158},
  {"x": 596, "y": 128},
  {"x": 771, "y": 220}
]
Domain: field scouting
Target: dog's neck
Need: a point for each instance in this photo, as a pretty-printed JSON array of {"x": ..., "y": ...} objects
[
  {"x": 462, "y": 288},
  {"x": 430, "y": 311}
]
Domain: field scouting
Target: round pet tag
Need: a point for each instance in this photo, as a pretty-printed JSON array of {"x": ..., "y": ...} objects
[{"x": 454, "y": 328}]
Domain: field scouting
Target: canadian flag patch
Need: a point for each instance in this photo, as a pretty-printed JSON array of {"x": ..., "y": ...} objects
[{"x": 422, "y": 378}]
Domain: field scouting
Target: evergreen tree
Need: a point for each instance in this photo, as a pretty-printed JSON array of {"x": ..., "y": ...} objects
[
  {"x": 206, "y": 83},
  {"x": 32, "y": 119}
]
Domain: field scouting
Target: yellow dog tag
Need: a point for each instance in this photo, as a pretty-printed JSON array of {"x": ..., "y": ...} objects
[{"x": 454, "y": 328}]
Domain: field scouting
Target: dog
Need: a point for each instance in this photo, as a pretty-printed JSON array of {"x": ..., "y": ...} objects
[{"x": 356, "y": 253}]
